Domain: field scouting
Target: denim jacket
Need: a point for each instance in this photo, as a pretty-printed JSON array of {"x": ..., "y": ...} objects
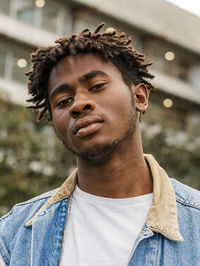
[{"x": 32, "y": 233}]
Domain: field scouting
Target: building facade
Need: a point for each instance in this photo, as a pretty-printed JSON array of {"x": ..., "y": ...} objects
[
  {"x": 32, "y": 160},
  {"x": 167, "y": 34}
]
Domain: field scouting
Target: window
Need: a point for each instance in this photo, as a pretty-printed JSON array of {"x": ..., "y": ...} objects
[
  {"x": 20, "y": 66},
  {"x": 49, "y": 17},
  {"x": 183, "y": 70},
  {"x": 14, "y": 61},
  {"x": 174, "y": 117},
  {"x": 4, "y": 6},
  {"x": 2, "y": 63},
  {"x": 52, "y": 16},
  {"x": 167, "y": 59},
  {"x": 25, "y": 11}
]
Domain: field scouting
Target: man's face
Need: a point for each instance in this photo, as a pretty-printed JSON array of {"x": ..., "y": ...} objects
[{"x": 93, "y": 109}]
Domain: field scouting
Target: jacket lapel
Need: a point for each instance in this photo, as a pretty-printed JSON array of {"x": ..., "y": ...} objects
[{"x": 47, "y": 234}]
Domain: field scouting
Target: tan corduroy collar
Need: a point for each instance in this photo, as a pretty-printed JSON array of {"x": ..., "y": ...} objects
[{"x": 162, "y": 216}]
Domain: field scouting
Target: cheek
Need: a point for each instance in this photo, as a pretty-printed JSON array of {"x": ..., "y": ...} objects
[
  {"x": 61, "y": 123},
  {"x": 120, "y": 104}
]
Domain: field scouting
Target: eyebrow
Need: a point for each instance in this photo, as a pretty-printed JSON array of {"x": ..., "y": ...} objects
[
  {"x": 61, "y": 88},
  {"x": 85, "y": 77},
  {"x": 91, "y": 75}
]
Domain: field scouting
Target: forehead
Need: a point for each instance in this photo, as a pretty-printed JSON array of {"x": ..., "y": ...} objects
[{"x": 71, "y": 67}]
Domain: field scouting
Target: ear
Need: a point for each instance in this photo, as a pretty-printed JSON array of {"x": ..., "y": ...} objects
[{"x": 141, "y": 94}]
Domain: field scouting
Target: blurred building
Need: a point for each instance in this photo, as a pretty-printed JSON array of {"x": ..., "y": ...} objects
[{"x": 168, "y": 35}]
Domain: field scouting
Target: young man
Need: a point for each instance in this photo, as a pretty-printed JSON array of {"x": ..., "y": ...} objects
[{"x": 119, "y": 207}]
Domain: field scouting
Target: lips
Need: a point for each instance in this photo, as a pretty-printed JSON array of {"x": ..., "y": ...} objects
[{"x": 87, "y": 126}]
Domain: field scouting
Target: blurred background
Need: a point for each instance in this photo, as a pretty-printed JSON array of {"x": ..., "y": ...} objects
[{"x": 32, "y": 160}]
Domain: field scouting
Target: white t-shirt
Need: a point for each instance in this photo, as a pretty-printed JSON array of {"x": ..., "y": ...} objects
[{"x": 102, "y": 231}]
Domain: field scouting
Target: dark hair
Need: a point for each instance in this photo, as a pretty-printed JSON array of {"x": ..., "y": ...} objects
[{"x": 109, "y": 45}]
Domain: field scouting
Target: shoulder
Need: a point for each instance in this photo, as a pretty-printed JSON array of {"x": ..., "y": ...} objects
[
  {"x": 186, "y": 195},
  {"x": 12, "y": 225},
  {"x": 188, "y": 210},
  {"x": 23, "y": 211}
]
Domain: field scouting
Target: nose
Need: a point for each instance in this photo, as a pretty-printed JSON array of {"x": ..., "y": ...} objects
[{"x": 81, "y": 105}]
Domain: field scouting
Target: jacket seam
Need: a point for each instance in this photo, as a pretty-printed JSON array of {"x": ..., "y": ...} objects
[
  {"x": 32, "y": 246},
  {"x": 159, "y": 236},
  {"x": 23, "y": 204},
  {"x": 188, "y": 203},
  {"x": 38, "y": 213},
  {"x": 5, "y": 216},
  {"x": 33, "y": 200},
  {"x": 18, "y": 205}
]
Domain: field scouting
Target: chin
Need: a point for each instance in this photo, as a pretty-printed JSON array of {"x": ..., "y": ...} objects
[{"x": 98, "y": 154}]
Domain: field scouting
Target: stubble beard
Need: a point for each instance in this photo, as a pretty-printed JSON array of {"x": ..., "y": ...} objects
[
  {"x": 103, "y": 152},
  {"x": 106, "y": 150}
]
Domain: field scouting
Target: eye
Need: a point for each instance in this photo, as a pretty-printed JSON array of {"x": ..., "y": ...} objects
[
  {"x": 63, "y": 102},
  {"x": 98, "y": 87}
]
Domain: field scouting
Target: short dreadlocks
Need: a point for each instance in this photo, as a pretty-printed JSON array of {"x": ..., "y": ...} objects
[{"x": 109, "y": 45}]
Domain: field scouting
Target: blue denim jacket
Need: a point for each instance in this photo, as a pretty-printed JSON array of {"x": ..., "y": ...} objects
[{"x": 32, "y": 233}]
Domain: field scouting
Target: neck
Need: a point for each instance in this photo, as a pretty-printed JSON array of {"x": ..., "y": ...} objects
[{"x": 124, "y": 174}]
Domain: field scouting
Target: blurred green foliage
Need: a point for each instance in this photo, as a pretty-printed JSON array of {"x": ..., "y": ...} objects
[
  {"x": 174, "y": 142},
  {"x": 178, "y": 162},
  {"x": 33, "y": 161}
]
